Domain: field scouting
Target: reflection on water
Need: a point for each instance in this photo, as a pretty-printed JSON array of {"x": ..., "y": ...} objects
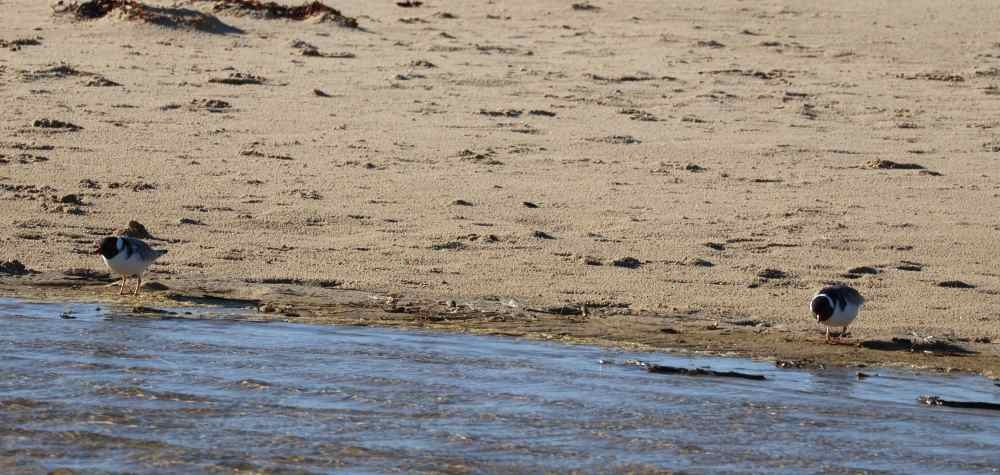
[{"x": 109, "y": 391}]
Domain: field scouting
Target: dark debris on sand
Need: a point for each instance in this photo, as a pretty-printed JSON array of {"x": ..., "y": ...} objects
[
  {"x": 271, "y": 10},
  {"x": 16, "y": 44},
  {"x": 133, "y": 10},
  {"x": 772, "y": 274},
  {"x": 58, "y": 71},
  {"x": 100, "y": 81},
  {"x": 955, "y": 284},
  {"x": 94, "y": 9},
  {"x": 879, "y": 164},
  {"x": 307, "y": 49},
  {"x": 627, "y": 262},
  {"x": 585, "y": 7},
  {"x": 239, "y": 79},
  {"x": 448, "y": 246},
  {"x": 55, "y": 124},
  {"x": 211, "y": 105}
]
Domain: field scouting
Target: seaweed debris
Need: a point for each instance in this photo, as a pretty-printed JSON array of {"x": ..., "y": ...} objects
[
  {"x": 311, "y": 10},
  {"x": 133, "y": 10}
]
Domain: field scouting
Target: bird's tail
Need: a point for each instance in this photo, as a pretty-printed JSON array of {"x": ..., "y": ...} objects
[{"x": 160, "y": 253}]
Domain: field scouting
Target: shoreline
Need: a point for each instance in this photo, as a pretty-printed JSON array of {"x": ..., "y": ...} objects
[
  {"x": 614, "y": 328},
  {"x": 691, "y": 175}
]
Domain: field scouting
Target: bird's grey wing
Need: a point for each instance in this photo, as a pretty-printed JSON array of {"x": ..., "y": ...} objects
[
  {"x": 842, "y": 295},
  {"x": 854, "y": 296},
  {"x": 145, "y": 252}
]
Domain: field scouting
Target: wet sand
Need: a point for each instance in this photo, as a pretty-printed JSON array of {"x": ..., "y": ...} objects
[
  {"x": 677, "y": 332},
  {"x": 671, "y": 167}
]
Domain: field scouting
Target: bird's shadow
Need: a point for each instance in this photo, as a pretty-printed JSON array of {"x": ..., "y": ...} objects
[{"x": 905, "y": 344}]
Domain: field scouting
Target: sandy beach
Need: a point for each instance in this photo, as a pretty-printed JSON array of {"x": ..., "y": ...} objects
[{"x": 681, "y": 175}]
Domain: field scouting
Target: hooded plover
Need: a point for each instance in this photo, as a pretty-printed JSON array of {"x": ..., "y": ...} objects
[
  {"x": 127, "y": 256},
  {"x": 836, "y": 306}
]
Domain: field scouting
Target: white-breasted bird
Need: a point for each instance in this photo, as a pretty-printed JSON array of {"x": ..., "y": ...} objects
[
  {"x": 127, "y": 256},
  {"x": 836, "y": 306}
]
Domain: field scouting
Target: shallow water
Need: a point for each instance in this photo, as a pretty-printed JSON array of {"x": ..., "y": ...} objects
[{"x": 114, "y": 392}]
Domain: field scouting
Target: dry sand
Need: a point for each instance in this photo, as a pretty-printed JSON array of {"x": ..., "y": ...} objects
[{"x": 736, "y": 155}]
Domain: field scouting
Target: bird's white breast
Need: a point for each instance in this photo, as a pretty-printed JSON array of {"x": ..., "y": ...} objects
[
  {"x": 132, "y": 265},
  {"x": 842, "y": 316}
]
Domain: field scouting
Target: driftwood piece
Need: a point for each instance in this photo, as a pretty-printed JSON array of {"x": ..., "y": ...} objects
[
  {"x": 663, "y": 369},
  {"x": 936, "y": 401}
]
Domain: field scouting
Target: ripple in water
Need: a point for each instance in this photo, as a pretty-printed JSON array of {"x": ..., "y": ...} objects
[{"x": 109, "y": 391}]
